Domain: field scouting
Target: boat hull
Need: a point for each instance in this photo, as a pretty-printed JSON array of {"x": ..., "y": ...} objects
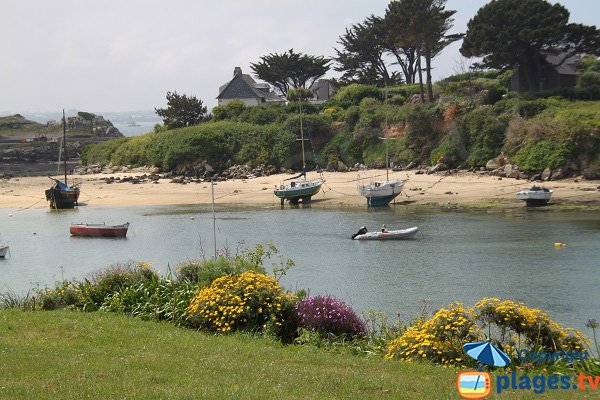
[
  {"x": 99, "y": 230},
  {"x": 535, "y": 198},
  {"x": 61, "y": 198},
  {"x": 381, "y": 193},
  {"x": 399, "y": 234},
  {"x": 298, "y": 191},
  {"x": 3, "y": 250}
]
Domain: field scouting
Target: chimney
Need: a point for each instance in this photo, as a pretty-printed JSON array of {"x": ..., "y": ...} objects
[{"x": 237, "y": 71}]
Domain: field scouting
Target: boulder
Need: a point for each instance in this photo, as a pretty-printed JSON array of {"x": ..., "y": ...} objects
[
  {"x": 331, "y": 167},
  {"x": 491, "y": 165},
  {"x": 342, "y": 167},
  {"x": 592, "y": 172},
  {"x": 559, "y": 173},
  {"x": 437, "y": 168},
  {"x": 547, "y": 174}
]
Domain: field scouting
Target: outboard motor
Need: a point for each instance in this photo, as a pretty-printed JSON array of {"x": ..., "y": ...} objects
[{"x": 361, "y": 231}]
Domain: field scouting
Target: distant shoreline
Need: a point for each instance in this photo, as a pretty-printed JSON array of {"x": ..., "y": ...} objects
[{"x": 462, "y": 190}]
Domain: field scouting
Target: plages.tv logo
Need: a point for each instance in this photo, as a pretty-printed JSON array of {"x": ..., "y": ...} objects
[{"x": 473, "y": 384}]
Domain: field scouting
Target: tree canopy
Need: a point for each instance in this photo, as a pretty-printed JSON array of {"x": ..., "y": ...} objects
[
  {"x": 181, "y": 111},
  {"x": 290, "y": 70},
  {"x": 362, "y": 56},
  {"x": 510, "y": 33}
]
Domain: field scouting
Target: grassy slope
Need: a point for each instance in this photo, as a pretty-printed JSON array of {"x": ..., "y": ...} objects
[{"x": 71, "y": 355}]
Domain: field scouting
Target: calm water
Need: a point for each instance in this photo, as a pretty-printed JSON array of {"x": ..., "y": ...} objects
[{"x": 462, "y": 255}]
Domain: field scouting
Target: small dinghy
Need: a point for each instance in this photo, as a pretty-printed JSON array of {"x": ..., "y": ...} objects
[
  {"x": 536, "y": 196},
  {"x": 99, "y": 230},
  {"x": 384, "y": 234}
]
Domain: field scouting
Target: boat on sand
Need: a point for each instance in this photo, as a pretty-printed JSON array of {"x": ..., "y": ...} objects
[{"x": 536, "y": 196}]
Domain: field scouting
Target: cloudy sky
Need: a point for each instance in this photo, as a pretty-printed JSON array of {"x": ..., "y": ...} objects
[{"x": 124, "y": 55}]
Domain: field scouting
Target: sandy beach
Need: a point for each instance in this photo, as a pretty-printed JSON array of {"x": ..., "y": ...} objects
[{"x": 340, "y": 189}]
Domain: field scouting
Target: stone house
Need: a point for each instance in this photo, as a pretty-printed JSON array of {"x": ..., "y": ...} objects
[{"x": 251, "y": 93}]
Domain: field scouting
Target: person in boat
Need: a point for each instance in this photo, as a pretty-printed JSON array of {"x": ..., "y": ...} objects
[{"x": 384, "y": 229}]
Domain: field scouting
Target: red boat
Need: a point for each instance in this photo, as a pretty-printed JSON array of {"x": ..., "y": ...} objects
[{"x": 99, "y": 230}]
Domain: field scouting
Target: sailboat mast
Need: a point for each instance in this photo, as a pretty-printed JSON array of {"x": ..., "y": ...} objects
[
  {"x": 65, "y": 144},
  {"x": 302, "y": 139},
  {"x": 212, "y": 189}
]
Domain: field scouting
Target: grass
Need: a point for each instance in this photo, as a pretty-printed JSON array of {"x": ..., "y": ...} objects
[{"x": 73, "y": 355}]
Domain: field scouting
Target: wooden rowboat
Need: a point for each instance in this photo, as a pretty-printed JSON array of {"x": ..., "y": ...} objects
[{"x": 99, "y": 230}]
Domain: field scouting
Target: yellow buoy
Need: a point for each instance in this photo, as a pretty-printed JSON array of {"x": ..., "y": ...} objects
[{"x": 558, "y": 245}]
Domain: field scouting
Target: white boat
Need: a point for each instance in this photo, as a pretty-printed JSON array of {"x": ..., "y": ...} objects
[
  {"x": 385, "y": 235},
  {"x": 3, "y": 250},
  {"x": 380, "y": 193},
  {"x": 536, "y": 196}
]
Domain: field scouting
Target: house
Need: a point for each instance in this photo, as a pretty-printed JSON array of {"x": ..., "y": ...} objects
[
  {"x": 243, "y": 87},
  {"x": 552, "y": 75},
  {"x": 324, "y": 89}
]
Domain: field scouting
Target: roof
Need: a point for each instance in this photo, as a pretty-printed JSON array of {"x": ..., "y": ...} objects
[
  {"x": 242, "y": 86},
  {"x": 568, "y": 67}
]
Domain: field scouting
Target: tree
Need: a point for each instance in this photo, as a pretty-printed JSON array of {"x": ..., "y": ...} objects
[
  {"x": 290, "y": 70},
  {"x": 511, "y": 33},
  {"x": 361, "y": 60},
  {"x": 181, "y": 111},
  {"x": 399, "y": 40},
  {"x": 415, "y": 29}
]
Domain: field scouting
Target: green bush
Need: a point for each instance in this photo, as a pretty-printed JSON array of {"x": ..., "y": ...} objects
[
  {"x": 482, "y": 133},
  {"x": 353, "y": 94},
  {"x": 589, "y": 78},
  {"x": 546, "y": 153}
]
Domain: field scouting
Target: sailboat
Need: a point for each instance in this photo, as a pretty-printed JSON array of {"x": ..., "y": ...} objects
[
  {"x": 61, "y": 195},
  {"x": 381, "y": 193},
  {"x": 299, "y": 188}
]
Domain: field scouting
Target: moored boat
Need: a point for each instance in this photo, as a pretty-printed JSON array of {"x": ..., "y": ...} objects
[
  {"x": 61, "y": 195},
  {"x": 298, "y": 189},
  {"x": 381, "y": 193},
  {"x": 99, "y": 230},
  {"x": 536, "y": 196},
  {"x": 362, "y": 234}
]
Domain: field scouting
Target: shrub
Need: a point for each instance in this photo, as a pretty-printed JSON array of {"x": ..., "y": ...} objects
[
  {"x": 204, "y": 272},
  {"x": 248, "y": 301},
  {"x": 526, "y": 327},
  {"x": 328, "y": 315},
  {"x": 516, "y": 327},
  {"x": 353, "y": 94},
  {"x": 548, "y": 153},
  {"x": 439, "y": 340},
  {"x": 157, "y": 299}
]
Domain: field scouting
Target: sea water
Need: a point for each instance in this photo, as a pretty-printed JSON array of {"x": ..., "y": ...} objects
[{"x": 460, "y": 256}]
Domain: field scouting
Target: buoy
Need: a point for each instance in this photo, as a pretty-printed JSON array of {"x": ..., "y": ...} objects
[
  {"x": 192, "y": 218},
  {"x": 558, "y": 245}
]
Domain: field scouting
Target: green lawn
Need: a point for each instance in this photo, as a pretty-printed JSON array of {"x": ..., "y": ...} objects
[{"x": 74, "y": 355}]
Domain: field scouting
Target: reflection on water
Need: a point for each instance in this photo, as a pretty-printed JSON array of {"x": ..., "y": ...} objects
[{"x": 462, "y": 256}]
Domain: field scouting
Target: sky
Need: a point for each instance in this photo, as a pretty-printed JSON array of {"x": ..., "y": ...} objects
[{"x": 125, "y": 55}]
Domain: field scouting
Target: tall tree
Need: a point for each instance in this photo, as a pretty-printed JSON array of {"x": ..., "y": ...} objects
[
  {"x": 290, "y": 70},
  {"x": 418, "y": 28},
  {"x": 362, "y": 57},
  {"x": 511, "y": 33},
  {"x": 181, "y": 111},
  {"x": 398, "y": 38}
]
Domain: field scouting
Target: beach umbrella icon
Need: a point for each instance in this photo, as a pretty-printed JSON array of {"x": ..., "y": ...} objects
[{"x": 487, "y": 353}]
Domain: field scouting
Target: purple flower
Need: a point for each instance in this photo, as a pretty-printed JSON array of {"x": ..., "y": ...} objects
[
  {"x": 592, "y": 323},
  {"x": 326, "y": 314}
]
